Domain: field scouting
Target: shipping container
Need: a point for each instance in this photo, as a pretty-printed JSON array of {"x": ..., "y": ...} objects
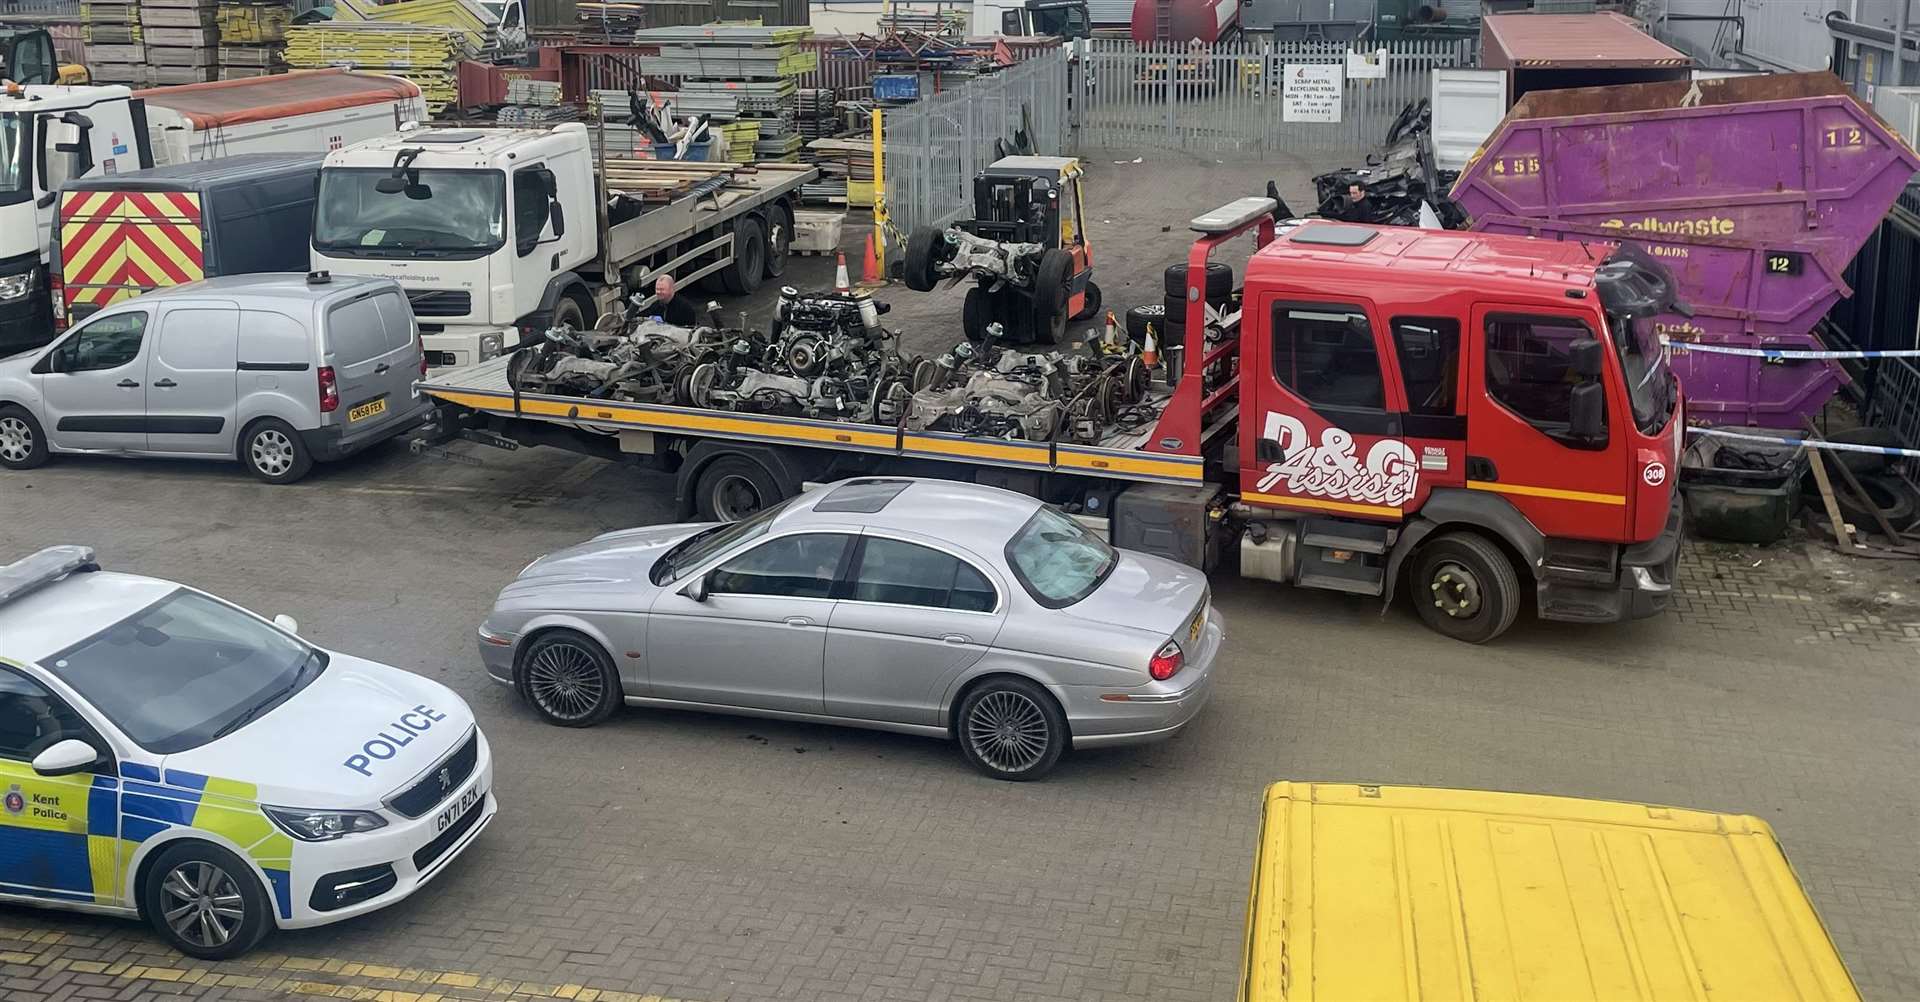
[{"x": 1556, "y": 51}]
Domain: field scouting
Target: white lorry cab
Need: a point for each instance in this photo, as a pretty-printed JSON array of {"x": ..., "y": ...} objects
[
  {"x": 167, "y": 755},
  {"x": 496, "y": 233}
]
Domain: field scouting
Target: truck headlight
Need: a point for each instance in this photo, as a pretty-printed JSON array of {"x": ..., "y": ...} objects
[
  {"x": 489, "y": 346},
  {"x": 18, "y": 286},
  {"x": 322, "y": 826}
]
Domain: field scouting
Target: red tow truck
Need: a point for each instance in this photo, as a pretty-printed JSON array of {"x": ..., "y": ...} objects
[{"x": 1468, "y": 416}]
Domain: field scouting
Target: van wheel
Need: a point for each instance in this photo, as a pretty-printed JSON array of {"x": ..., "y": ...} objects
[
  {"x": 23, "y": 445},
  {"x": 734, "y": 487},
  {"x": 206, "y": 902},
  {"x": 1465, "y": 587},
  {"x": 568, "y": 679},
  {"x": 273, "y": 451},
  {"x": 1010, "y": 728}
]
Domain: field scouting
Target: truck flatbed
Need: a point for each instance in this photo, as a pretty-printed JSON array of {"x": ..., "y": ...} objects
[{"x": 484, "y": 388}]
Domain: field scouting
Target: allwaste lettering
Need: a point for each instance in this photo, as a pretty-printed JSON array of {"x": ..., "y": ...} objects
[
  {"x": 1711, "y": 226},
  {"x": 390, "y": 739},
  {"x": 1332, "y": 468}
]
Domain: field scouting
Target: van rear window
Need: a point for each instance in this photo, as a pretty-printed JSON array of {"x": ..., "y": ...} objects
[{"x": 369, "y": 328}]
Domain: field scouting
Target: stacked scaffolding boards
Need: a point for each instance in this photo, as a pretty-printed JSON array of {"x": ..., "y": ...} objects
[
  {"x": 182, "y": 40},
  {"x": 428, "y": 55},
  {"x": 116, "y": 47},
  {"x": 253, "y": 37},
  {"x": 740, "y": 75}
]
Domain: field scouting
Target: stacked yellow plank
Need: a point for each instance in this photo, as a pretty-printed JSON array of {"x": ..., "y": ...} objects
[
  {"x": 253, "y": 38},
  {"x": 466, "y": 16},
  {"x": 428, "y": 55}
]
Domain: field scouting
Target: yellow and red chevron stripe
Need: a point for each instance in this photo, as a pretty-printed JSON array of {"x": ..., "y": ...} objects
[{"x": 116, "y": 244}]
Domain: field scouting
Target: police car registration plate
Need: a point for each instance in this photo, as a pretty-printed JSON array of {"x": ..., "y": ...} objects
[{"x": 452, "y": 812}]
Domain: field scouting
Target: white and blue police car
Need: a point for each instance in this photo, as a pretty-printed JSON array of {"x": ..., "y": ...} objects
[{"x": 168, "y": 755}]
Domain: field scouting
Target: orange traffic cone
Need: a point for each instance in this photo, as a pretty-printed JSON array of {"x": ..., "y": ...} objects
[
  {"x": 870, "y": 273},
  {"x": 1150, "y": 352},
  {"x": 840, "y": 281}
]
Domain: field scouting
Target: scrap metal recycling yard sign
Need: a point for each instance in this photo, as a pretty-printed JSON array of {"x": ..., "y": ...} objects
[{"x": 1312, "y": 92}]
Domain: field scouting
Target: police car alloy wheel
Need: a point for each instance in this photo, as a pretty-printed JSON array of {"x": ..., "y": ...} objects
[{"x": 206, "y": 902}]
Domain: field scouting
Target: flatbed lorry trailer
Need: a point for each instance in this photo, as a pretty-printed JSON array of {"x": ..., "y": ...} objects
[
  {"x": 498, "y": 233},
  {"x": 1469, "y": 417}
]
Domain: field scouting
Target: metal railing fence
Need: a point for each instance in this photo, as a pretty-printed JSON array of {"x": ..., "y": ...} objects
[
  {"x": 935, "y": 146},
  {"x": 1229, "y": 99}
]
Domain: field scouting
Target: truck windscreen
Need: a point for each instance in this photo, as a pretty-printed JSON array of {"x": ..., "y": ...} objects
[
  {"x": 13, "y": 158},
  {"x": 1650, "y": 380},
  {"x": 440, "y": 213}
]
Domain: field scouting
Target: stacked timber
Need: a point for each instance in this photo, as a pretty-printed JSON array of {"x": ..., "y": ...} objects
[
  {"x": 655, "y": 182},
  {"x": 182, "y": 40},
  {"x": 253, "y": 37},
  {"x": 737, "y": 73},
  {"x": 846, "y": 171},
  {"x": 116, "y": 48}
]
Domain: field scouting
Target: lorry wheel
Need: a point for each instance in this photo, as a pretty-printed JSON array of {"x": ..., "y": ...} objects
[
  {"x": 1465, "y": 587},
  {"x": 919, "y": 274},
  {"x": 205, "y": 901},
  {"x": 734, "y": 487},
  {"x": 23, "y": 445},
  {"x": 779, "y": 240},
  {"x": 273, "y": 451},
  {"x": 568, "y": 311},
  {"x": 749, "y": 258}
]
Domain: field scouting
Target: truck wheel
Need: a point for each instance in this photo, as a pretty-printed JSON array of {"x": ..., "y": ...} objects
[
  {"x": 919, "y": 273},
  {"x": 749, "y": 257},
  {"x": 205, "y": 901},
  {"x": 568, "y": 311},
  {"x": 23, "y": 445},
  {"x": 1465, "y": 587},
  {"x": 734, "y": 487},
  {"x": 779, "y": 240}
]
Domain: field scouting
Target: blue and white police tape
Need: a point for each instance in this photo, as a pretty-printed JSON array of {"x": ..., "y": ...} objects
[
  {"x": 1782, "y": 354},
  {"x": 1877, "y": 450}
]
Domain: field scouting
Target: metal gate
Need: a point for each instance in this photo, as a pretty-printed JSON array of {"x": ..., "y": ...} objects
[
  {"x": 1231, "y": 99},
  {"x": 935, "y": 146}
]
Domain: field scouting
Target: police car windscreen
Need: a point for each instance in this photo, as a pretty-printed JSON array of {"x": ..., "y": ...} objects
[{"x": 186, "y": 670}]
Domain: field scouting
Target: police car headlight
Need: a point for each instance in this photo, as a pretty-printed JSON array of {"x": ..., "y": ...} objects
[{"x": 323, "y": 826}]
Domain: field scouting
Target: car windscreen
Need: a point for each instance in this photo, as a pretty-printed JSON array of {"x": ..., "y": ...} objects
[
  {"x": 710, "y": 542},
  {"x": 1058, "y": 560},
  {"x": 186, "y": 670}
]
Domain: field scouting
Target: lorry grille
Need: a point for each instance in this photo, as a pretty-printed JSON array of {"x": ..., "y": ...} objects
[
  {"x": 440, "y": 302},
  {"x": 439, "y": 781}
]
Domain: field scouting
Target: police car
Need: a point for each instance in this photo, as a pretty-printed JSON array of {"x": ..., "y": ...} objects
[{"x": 167, "y": 755}]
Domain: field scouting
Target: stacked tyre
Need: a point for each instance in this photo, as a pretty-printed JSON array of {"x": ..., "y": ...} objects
[{"x": 1169, "y": 319}]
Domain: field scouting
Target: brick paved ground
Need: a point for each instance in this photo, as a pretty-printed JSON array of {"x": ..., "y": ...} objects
[{"x": 705, "y": 858}]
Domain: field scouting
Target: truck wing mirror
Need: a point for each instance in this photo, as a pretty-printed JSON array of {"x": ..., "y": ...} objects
[
  {"x": 1267, "y": 450},
  {"x": 1010, "y": 23},
  {"x": 1585, "y": 357},
  {"x": 559, "y": 219},
  {"x": 77, "y": 120},
  {"x": 1587, "y": 413}
]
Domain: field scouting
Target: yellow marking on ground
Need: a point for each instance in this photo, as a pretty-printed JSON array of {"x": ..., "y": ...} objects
[{"x": 294, "y": 976}]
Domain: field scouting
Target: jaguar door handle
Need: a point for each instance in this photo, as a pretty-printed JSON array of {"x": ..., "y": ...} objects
[
  {"x": 166, "y": 384},
  {"x": 956, "y": 638},
  {"x": 798, "y": 621},
  {"x": 126, "y": 384}
]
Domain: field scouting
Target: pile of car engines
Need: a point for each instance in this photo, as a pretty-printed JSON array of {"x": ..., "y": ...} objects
[{"x": 826, "y": 356}]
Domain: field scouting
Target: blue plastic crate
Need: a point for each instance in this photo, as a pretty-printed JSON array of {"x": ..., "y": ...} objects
[{"x": 896, "y": 87}]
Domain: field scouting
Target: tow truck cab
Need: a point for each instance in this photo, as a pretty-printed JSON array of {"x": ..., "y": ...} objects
[{"x": 1479, "y": 412}]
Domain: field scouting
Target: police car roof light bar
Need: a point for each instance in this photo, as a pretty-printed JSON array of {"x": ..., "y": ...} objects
[{"x": 44, "y": 568}]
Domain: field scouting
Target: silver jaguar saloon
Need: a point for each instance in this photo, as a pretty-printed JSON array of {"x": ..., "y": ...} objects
[{"x": 923, "y": 606}]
